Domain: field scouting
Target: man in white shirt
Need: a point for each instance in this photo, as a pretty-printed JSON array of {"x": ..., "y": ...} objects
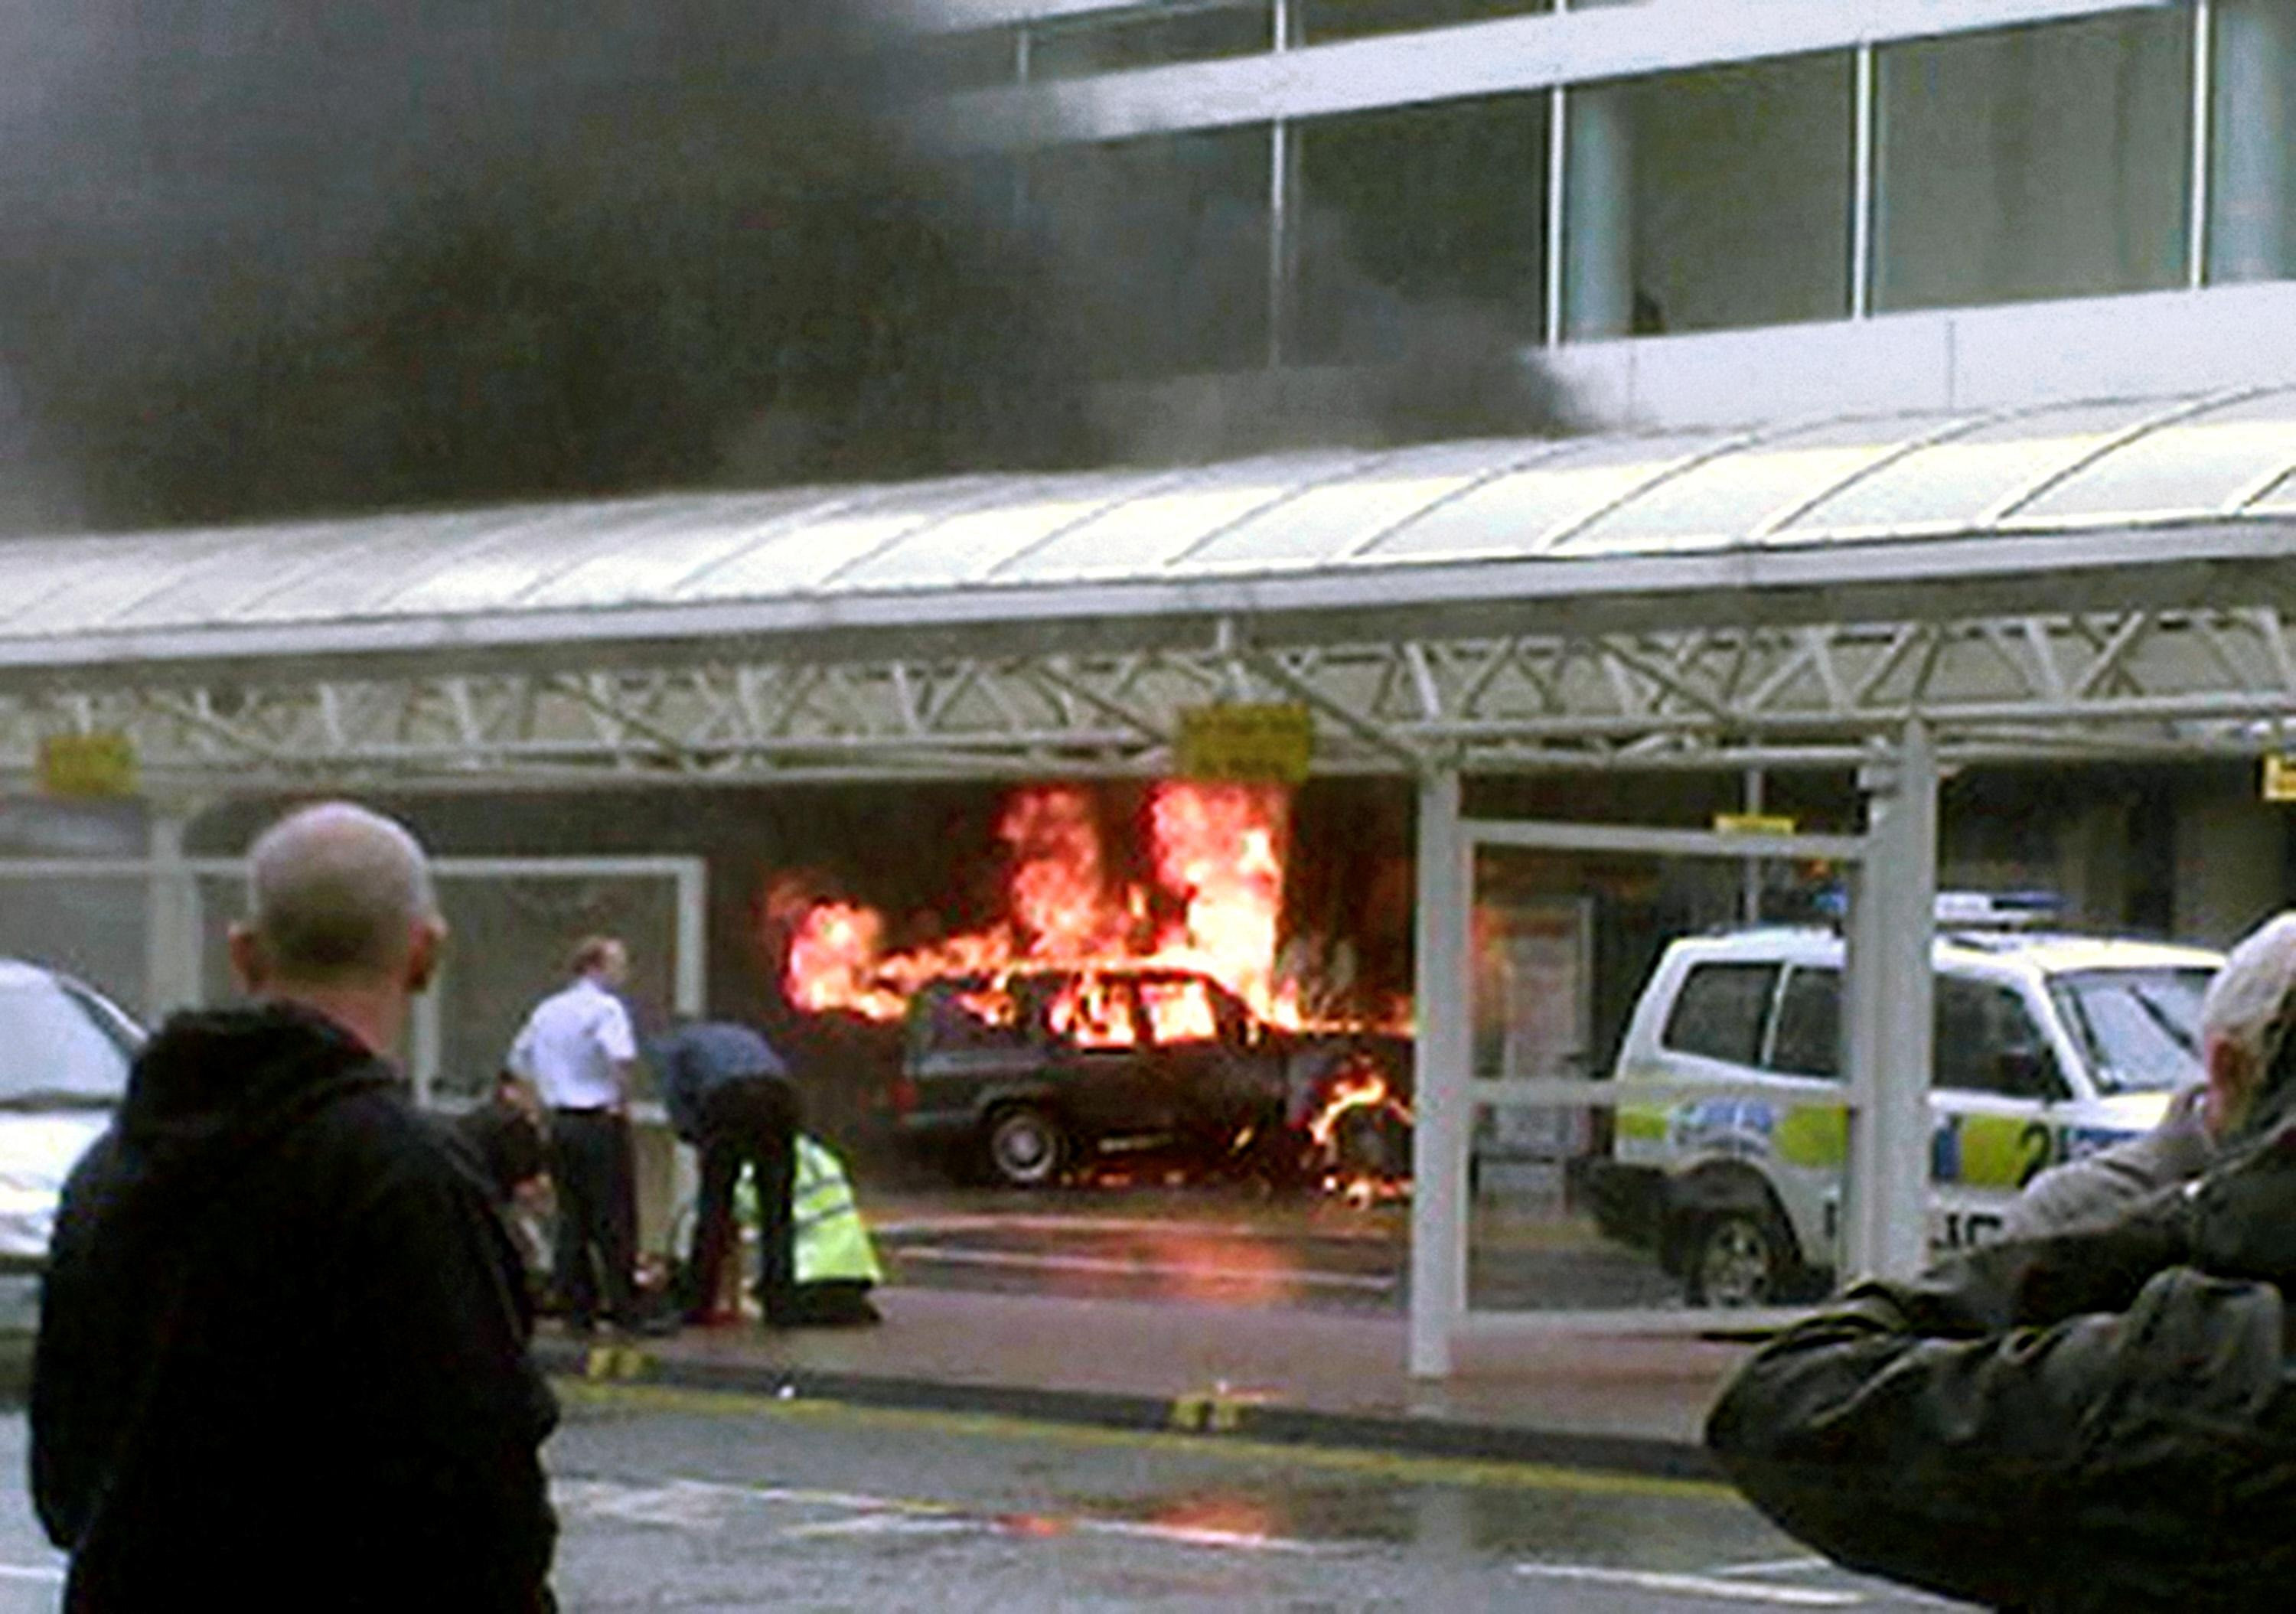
[{"x": 578, "y": 1050}]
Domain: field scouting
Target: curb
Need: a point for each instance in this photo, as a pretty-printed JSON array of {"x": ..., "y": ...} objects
[{"x": 1209, "y": 1415}]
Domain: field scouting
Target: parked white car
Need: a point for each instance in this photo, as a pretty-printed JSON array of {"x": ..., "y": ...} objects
[
  {"x": 64, "y": 1053},
  {"x": 2048, "y": 1047}
]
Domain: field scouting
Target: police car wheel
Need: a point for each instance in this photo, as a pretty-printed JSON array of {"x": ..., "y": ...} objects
[
  {"x": 1026, "y": 1148},
  {"x": 1737, "y": 1258}
]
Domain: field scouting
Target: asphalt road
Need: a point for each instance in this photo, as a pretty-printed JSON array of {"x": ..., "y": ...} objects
[
  {"x": 692, "y": 1501},
  {"x": 689, "y": 1501},
  {"x": 1202, "y": 1242}
]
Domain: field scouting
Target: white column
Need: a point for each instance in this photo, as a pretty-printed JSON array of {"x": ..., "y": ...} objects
[
  {"x": 690, "y": 986},
  {"x": 1598, "y": 214},
  {"x": 2255, "y": 61},
  {"x": 1886, "y": 1232},
  {"x": 173, "y": 977},
  {"x": 1439, "y": 1156}
]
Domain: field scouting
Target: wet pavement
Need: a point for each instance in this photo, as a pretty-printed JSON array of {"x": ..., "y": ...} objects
[
  {"x": 698, "y": 1501},
  {"x": 1232, "y": 1246},
  {"x": 690, "y": 1501}
]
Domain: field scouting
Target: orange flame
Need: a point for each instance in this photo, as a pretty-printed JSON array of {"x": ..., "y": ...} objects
[{"x": 1217, "y": 853}]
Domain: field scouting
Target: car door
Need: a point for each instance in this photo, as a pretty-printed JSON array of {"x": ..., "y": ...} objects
[
  {"x": 1104, "y": 1064},
  {"x": 1994, "y": 1082}
]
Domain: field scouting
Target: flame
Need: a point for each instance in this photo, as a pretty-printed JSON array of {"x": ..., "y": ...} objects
[{"x": 1217, "y": 854}]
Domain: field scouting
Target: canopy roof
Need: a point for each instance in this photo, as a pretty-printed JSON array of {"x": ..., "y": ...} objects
[{"x": 1529, "y": 600}]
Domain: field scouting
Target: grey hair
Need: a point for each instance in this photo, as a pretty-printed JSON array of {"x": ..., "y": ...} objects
[
  {"x": 336, "y": 891},
  {"x": 2249, "y": 1001}
]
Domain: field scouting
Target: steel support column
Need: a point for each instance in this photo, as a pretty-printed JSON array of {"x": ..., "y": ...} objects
[
  {"x": 1440, "y": 1098},
  {"x": 173, "y": 942},
  {"x": 1892, "y": 990}
]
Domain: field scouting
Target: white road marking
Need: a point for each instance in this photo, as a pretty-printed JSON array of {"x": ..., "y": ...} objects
[
  {"x": 1193, "y": 1535},
  {"x": 698, "y": 1505},
  {"x": 51, "y": 1573},
  {"x": 949, "y": 1256},
  {"x": 1807, "y": 1565},
  {"x": 1695, "y": 1585}
]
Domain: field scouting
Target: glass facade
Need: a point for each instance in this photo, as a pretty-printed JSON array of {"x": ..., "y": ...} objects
[
  {"x": 1150, "y": 36},
  {"x": 1167, "y": 242},
  {"x": 1323, "y": 21},
  {"x": 2251, "y": 171},
  {"x": 2034, "y": 162},
  {"x": 2052, "y": 160},
  {"x": 1442, "y": 204},
  {"x": 1700, "y": 201}
]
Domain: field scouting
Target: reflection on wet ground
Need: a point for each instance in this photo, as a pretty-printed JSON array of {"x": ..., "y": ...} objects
[
  {"x": 685, "y": 1499},
  {"x": 1201, "y": 1242}
]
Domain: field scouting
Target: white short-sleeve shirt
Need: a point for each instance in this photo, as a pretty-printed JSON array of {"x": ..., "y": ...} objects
[{"x": 571, "y": 1043}]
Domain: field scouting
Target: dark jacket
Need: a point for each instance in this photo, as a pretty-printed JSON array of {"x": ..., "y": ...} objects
[
  {"x": 2096, "y": 1420},
  {"x": 281, "y": 1360},
  {"x": 696, "y": 1060}
]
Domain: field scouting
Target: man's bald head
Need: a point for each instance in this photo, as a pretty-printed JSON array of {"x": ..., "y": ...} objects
[{"x": 338, "y": 895}]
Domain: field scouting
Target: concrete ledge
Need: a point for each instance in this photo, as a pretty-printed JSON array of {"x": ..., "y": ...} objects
[{"x": 1209, "y": 1416}]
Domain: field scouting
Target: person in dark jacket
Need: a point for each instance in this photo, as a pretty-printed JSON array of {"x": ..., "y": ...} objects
[
  {"x": 2101, "y": 1414},
  {"x": 282, "y": 1350},
  {"x": 728, "y": 1095}
]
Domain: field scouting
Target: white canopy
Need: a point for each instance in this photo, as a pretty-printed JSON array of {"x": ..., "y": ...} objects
[{"x": 2104, "y": 573}]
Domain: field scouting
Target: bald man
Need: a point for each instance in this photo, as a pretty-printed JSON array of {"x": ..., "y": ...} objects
[{"x": 281, "y": 1360}]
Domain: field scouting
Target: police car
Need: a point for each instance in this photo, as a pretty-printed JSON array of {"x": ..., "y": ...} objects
[{"x": 2048, "y": 1047}]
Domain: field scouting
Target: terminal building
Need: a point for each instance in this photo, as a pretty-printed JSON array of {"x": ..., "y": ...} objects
[{"x": 1685, "y": 215}]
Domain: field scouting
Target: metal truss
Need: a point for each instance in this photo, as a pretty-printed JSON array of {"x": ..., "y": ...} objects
[{"x": 2116, "y": 683}]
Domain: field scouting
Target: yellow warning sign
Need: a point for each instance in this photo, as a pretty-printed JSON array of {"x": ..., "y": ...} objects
[
  {"x": 85, "y": 765},
  {"x": 1753, "y": 824},
  {"x": 1271, "y": 743},
  {"x": 2279, "y": 777}
]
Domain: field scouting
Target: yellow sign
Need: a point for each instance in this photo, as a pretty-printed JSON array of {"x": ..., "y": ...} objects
[
  {"x": 100, "y": 763},
  {"x": 1244, "y": 744},
  {"x": 1753, "y": 824},
  {"x": 2280, "y": 777}
]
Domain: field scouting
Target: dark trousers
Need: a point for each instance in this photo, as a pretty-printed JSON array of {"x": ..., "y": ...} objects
[
  {"x": 593, "y": 1171},
  {"x": 750, "y": 1123}
]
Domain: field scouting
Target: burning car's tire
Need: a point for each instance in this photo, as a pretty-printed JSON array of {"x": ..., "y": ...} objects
[{"x": 1026, "y": 1147}]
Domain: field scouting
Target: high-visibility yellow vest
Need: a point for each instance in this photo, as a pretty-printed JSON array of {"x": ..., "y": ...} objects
[{"x": 829, "y": 1238}]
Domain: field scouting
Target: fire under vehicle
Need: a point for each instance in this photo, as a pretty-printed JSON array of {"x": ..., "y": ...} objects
[{"x": 1022, "y": 1076}]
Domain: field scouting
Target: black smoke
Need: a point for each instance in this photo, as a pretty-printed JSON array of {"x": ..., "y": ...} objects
[{"x": 261, "y": 257}]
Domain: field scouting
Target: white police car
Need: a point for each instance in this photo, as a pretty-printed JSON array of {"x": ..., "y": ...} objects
[
  {"x": 2048, "y": 1047},
  {"x": 64, "y": 1053}
]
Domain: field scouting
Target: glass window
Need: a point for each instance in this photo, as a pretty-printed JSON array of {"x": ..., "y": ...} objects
[
  {"x": 53, "y": 1051},
  {"x": 1721, "y": 1010},
  {"x": 1985, "y": 1042},
  {"x": 1707, "y": 200},
  {"x": 1808, "y": 1040},
  {"x": 2252, "y": 176},
  {"x": 1426, "y": 206},
  {"x": 1150, "y": 36},
  {"x": 2046, "y": 161},
  {"x": 1325, "y": 20},
  {"x": 1167, "y": 236},
  {"x": 2139, "y": 1029}
]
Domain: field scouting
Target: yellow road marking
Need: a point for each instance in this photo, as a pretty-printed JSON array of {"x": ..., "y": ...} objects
[{"x": 1487, "y": 1473}]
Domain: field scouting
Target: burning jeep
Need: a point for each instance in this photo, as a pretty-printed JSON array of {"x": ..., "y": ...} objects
[{"x": 1022, "y": 1076}]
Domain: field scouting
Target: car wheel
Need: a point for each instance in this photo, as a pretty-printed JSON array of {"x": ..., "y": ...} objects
[
  {"x": 1026, "y": 1147},
  {"x": 1736, "y": 1257}
]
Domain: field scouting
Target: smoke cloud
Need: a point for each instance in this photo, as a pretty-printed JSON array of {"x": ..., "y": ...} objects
[{"x": 260, "y": 258}]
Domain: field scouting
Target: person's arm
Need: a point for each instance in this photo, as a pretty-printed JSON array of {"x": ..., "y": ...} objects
[
  {"x": 619, "y": 1040},
  {"x": 1975, "y": 1430}
]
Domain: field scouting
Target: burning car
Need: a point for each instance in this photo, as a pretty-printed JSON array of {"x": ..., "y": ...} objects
[
  {"x": 1021, "y": 1075},
  {"x": 1105, "y": 1013}
]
